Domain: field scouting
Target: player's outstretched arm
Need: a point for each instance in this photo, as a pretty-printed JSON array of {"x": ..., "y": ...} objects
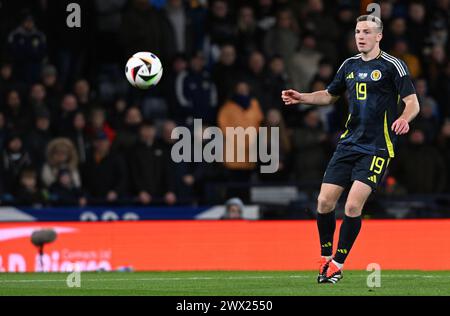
[
  {"x": 322, "y": 97},
  {"x": 412, "y": 108}
]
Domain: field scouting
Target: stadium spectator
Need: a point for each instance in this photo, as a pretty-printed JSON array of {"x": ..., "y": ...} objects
[
  {"x": 345, "y": 25},
  {"x": 444, "y": 147},
  {"x": 274, "y": 119},
  {"x": 7, "y": 83},
  {"x": 308, "y": 142},
  {"x": 322, "y": 26},
  {"x": 98, "y": 123},
  {"x": 109, "y": 15},
  {"x": 427, "y": 122},
  {"x": 233, "y": 209},
  {"x": 144, "y": 28},
  {"x": 326, "y": 112},
  {"x": 14, "y": 159},
  {"x": 416, "y": 28},
  {"x": 401, "y": 50},
  {"x": 442, "y": 91},
  {"x": 436, "y": 63},
  {"x": 82, "y": 91},
  {"x": 179, "y": 64},
  {"x": 38, "y": 137},
  {"x": 305, "y": 63},
  {"x": 63, "y": 117},
  {"x": 49, "y": 79},
  {"x": 127, "y": 136},
  {"x": 220, "y": 25},
  {"x": 256, "y": 75},
  {"x": 424, "y": 96},
  {"x": 198, "y": 12},
  {"x": 350, "y": 46},
  {"x": 154, "y": 105},
  {"x": 249, "y": 35},
  {"x": 61, "y": 154},
  {"x": 396, "y": 32},
  {"x": 150, "y": 169},
  {"x": 18, "y": 117},
  {"x": 29, "y": 192},
  {"x": 226, "y": 72},
  {"x": 3, "y": 131},
  {"x": 275, "y": 81},
  {"x": 196, "y": 92},
  {"x": 27, "y": 50},
  {"x": 37, "y": 100},
  {"x": 190, "y": 178},
  {"x": 430, "y": 177},
  {"x": 325, "y": 72},
  {"x": 70, "y": 45},
  {"x": 283, "y": 38},
  {"x": 180, "y": 21},
  {"x": 241, "y": 110},
  {"x": 441, "y": 8},
  {"x": 386, "y": 10},
  {"x": 116, "y": 115},
  {"x": 105, "y": 176},
  {"x": 438, "y": 32},
  {"x": 63, "y": 191},
  {"x": 441, "y": 14},
  {"x": 183, "y": 173},
  {"x": 264, "y": 13},
  {"x": 79, "y": 136}
]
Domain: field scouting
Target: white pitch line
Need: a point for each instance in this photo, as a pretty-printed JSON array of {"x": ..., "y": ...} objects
[
  {"x": 161, "y": 279},
  {"x": 215, "y": 278}
]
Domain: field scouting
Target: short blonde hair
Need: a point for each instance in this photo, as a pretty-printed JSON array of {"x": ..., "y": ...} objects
[{"x": 371, "y": 18}]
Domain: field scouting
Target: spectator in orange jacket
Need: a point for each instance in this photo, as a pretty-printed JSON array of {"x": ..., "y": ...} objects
[{"x": 241, "y": 110}]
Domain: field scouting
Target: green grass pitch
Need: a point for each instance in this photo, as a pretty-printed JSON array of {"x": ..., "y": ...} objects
[{"x": 224, "y": 283}]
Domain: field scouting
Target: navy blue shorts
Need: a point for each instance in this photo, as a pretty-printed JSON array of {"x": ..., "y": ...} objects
[{"x": 347, "y": 166}]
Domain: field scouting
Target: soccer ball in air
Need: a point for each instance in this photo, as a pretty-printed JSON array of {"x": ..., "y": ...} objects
[{"x": 143, "y": 70}]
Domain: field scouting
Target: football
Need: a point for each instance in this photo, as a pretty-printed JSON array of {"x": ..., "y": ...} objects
[{"x": 143, "y": 70}]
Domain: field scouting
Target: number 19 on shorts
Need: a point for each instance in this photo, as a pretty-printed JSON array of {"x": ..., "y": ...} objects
[{"x": 377, "y": 164}]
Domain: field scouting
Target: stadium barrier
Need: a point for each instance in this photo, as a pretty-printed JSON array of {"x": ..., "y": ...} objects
[
  {"x": 115, "y": 213},
  {"x": 219, "y": 245}
]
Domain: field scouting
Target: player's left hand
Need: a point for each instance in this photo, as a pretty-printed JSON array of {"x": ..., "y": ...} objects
[{"x": 400, "y": 126}]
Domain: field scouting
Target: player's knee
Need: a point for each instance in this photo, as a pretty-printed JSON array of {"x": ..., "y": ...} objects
[
  {"x": 352, "y": 209},
  {"x": 325, "y": 204}
]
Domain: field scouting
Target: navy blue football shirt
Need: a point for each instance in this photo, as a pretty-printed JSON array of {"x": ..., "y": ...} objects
[{"x": 374, "y": 88}]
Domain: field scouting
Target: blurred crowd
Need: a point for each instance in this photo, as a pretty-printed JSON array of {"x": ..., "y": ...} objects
[{"x": 74, "y": 132}]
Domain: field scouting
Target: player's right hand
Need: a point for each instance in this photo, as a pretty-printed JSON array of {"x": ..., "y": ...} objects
[{"x": 291, "y": 97}]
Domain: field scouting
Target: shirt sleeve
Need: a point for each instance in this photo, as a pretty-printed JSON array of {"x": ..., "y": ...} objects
[
  {"x": 402, "y": 80},
  {"x": 338, "y": 86}
]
